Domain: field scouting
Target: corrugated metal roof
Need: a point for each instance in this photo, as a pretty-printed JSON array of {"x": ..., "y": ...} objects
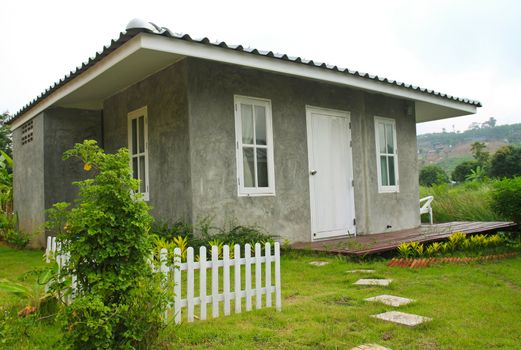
[{"x": 154, "y": 29}]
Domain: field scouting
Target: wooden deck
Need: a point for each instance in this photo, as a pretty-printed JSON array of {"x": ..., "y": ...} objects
[{"x": 383, "y": 242}]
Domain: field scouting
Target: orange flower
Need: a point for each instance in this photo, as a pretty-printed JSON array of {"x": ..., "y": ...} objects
[{"x": 87, "y": 166}]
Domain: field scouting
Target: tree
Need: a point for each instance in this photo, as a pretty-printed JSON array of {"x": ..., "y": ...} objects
[
  {"x": 5, "y": 134},
  {"x": 432, "y": 174},
  {"x": 118, "y": 302},
  {"x": 506, "y": 162},
  {"x": 479, "y": 152},
  {"x": 490, "y": 123},
  {"x": 463, "y": 170},
  {"x": 474, "y": 126}
]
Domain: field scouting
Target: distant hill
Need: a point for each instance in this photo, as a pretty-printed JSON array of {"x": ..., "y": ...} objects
[{"x": 448, "y": 149}]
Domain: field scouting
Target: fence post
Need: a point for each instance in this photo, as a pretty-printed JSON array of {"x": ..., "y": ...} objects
[
  {"x": 215, "y": 282},
  {"x": 247, "y": 269},
  {"x": 258, "y": 276},
  {"x": 278, "y": 298},
  {"x": 267, "y": 254},
  {"x": 237, "y": 272},
  {"x": 48, "y": 250},
  {"x": 190, "y": 284},
  {"x": 226, "y": 279},
  {"x": 177, "y": 285},
  {"x": 202, "y": 282}
]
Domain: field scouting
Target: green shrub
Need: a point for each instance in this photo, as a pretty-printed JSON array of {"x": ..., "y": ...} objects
[
  {"x": 16, "y": 238},
  {"x": 463, "y": 170},
  {"x": 507, "y": 198},
  {"x": 432, "y": 175},
  {"x": 119, "y": 301}
]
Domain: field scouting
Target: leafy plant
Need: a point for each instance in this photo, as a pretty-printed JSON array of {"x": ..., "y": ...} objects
[
  {"x": 404, "y": 250},
  {"x": 433, "y": 249},
  {"x": 119, "y": 301},
  {"x": 17, "y": 239},
  {"x": 477, "y": 174}
]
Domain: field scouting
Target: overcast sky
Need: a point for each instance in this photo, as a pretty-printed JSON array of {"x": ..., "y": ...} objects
[{"x": 464, "y": 48}]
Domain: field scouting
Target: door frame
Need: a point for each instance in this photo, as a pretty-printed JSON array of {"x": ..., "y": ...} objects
[{"x": 336, "y": 113}]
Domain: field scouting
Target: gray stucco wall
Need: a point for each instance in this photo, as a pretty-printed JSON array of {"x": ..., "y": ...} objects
[
  {"x": 63, "y": 129},
  {"x": 164, "y": 94},
  {"x": 211, "y": 89},
  {"x": 28, "y": 181},
  {"x": 41, "y": 177}
]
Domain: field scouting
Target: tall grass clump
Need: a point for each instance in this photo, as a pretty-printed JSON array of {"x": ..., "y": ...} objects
[{"x": 469, "y": 201}]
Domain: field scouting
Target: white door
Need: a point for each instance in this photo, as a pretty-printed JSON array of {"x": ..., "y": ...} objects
[{"x": 330, "y": 173}]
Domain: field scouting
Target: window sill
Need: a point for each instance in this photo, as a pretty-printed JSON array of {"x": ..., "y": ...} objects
[{"x": 264, "y": 194}]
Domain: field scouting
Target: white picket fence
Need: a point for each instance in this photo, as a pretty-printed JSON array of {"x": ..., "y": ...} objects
[{"x": 242, "y": 289}]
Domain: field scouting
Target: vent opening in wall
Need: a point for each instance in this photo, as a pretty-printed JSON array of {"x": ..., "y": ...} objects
[{"x": 27, "y": 132}]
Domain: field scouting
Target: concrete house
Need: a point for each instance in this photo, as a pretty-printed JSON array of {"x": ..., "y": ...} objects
[{"x": 306, "y": 150}]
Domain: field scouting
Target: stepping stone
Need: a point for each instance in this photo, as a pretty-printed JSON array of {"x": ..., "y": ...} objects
[
  {"x": 319, "y": 263},
  {"x": 360, "y": 271},
  {"x": 370, "y": 347},
  {"x": 373, "y": 282},
  {"x": 390, "y": 300},
  {"x": 402, "y": 318}
]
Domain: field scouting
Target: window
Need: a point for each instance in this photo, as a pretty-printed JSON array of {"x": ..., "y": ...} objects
[
  {"x": 254, "y": 147},
  {"x": 138, "y": 147},
  {"x": 386, "y": 154}
]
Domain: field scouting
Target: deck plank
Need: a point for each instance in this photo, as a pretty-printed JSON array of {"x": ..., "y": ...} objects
[{"x": 383, "y": 242}]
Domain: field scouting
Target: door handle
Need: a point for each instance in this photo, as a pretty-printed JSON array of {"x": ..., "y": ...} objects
[{"x": 313, "y": 172}]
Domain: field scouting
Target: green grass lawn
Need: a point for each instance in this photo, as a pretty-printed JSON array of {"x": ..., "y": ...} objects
[{"x": 474, "y": 306}]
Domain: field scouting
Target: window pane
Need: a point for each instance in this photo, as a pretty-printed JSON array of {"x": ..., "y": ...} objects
[
  {"x": 248, "y": 164},
  {"x": 142, "y": 174},
  {"x": 383, "y": 171},
  {"x": 389, "y": 138},
  {"x": 247, "y": 124},
  {"x": 134, "y": 168},
  {"x": 141, "y": 134},
  {"x": 262, "y": 168},
  {"x": 134, "y": 136},
  {"x": 392, "y": 175},
  {"x": 381, "y": 137},
  {"x": 260, "y": 125}
]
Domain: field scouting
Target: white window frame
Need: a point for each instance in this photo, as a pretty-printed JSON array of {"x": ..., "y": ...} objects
[
  {"x": 382, "y": 188},
  {"x": 241, "y": 189},
  {"x": 135, "y": 114}
]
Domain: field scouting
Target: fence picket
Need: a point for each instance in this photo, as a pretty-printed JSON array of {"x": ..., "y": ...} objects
[
  {"x": 190, "y": 284},
  {"x": 215, "y": 282},
  {"x": 258, "y": 276},
  {"x": 278, "y": 298},
  {"x": 247, "y": 269},
  {"x": 267, "y": 254},
  {"x": 202, "y": 282},
  {"x": 177, "y": 285},
  {"x": 237, "y": 272},
  {"x": 226, "y": 279},
  {"x": 53, "y": 251}
]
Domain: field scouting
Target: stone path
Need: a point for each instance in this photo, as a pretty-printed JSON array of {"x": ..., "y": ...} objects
[
  {"x": 319, "y": 263},
  {"x": 402, "y": 318},
  {"x": 373, "y": 282},
  {"x": 390, "y": 300},
  {"x": 360, "y": 271},
  {"x": 370, "y": 347}
]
